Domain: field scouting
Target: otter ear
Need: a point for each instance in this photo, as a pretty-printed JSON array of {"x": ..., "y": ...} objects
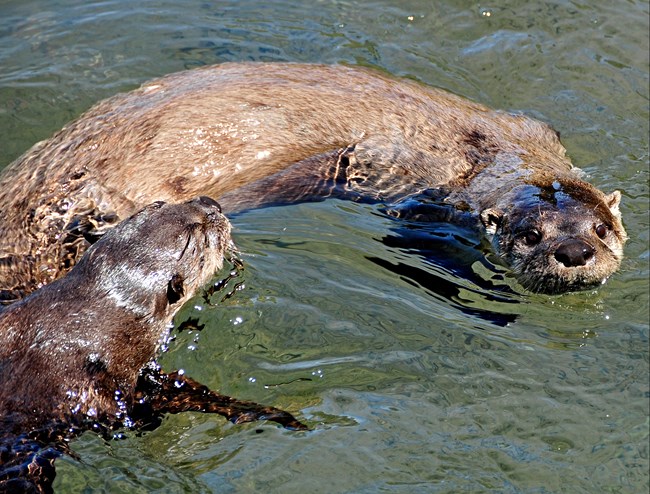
[
  {"x": 613, "y": 200},
  {"x": 491, "y": 219},
  {"x": 175, "y": 289}
]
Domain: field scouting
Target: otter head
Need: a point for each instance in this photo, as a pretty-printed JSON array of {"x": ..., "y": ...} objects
[
  {"x": 559, "y": 236},
  {"x": 152, "y": 262}
]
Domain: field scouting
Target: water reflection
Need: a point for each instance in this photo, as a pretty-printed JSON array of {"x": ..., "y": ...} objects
[{"x": 447, "y": 260}]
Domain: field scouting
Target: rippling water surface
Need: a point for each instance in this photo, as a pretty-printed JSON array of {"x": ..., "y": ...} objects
[{"x": 417, "y": 373}]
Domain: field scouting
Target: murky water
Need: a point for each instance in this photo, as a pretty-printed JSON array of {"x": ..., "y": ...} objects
[{"x": 416, "y": 376}]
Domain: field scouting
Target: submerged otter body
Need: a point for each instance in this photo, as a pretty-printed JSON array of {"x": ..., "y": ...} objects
[
  {"x": 252, "y": 135},
  {"x": 78, "y": 353}
]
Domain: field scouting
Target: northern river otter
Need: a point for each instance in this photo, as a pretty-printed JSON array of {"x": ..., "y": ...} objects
[
  {"x": 257, "y": 134},
  {"x": 78, "y": 353}
]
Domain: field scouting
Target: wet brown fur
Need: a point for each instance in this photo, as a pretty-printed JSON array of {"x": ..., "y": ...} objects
[
  {"x": 249, "y": 135},
  {"x": 78, "y": 354},
  {"x": 104, "y": 320}
]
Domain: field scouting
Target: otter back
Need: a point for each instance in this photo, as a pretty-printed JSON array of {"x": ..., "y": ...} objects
[{"x": 259, "y": 134}]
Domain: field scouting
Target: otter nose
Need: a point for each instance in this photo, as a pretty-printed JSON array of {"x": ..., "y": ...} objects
[
  {"x": 208, "y": 201},
  {"x": 574, "y": 253}
]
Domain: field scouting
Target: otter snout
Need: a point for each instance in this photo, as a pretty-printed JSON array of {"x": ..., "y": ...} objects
[{"x": 574, "y": 252}]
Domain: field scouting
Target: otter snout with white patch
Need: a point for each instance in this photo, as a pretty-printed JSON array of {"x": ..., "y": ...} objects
[{"x": 78, "y": 354}]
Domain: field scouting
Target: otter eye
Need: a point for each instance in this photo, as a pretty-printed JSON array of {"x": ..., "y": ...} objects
[
  {"x": 601, "y": 231},
  {"x": 532, "y": 237},
  {"x": 175, "y": 289}
]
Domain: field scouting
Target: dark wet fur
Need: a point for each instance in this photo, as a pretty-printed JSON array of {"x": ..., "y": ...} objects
[
  {"x": 27, "y": 459},
  {"x": 78, "y": 354}
]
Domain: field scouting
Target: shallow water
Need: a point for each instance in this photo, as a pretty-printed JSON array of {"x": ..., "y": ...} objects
[{"x": 415, "y": 375}]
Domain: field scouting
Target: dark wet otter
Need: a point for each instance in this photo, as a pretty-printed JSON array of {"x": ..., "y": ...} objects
[
  {"x": 259, "y": 134},
  {"x": 78, "y": 353}
]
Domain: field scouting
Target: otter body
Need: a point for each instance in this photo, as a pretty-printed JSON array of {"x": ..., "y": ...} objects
[
  {"x": 258, "y": 134},
  {"x": 78, "y": 353}
]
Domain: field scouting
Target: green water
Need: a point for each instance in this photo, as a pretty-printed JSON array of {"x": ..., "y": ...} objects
[{"x": 408, "y": 387}]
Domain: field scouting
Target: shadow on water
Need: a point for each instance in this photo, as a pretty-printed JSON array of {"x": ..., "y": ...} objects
[
  {"x": 438, "y": 250},
  {"x": 446, "y": 260}
]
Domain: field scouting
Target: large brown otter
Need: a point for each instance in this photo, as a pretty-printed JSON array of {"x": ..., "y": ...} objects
[
  {"x": 77, "y": 353},
  {"x": 257, "y": 134}
]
